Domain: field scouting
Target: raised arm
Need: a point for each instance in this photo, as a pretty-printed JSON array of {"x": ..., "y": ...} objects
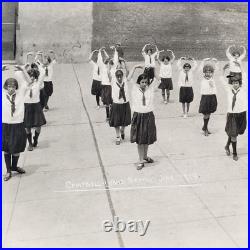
[
  {"x": 100, "y": 59},
  {"x": 228, "y": 54},
  {"x": 115, "y": 58},
  {"x": 51, "y": 52},
  {"x": 39, "y": 55},
  {"x": 179, "y": 63},
  {"x": 131, "y": 74},
  {"x": 27, "y": 56},
  {"x": 156, "y": 51},
  {"x": 24, "y": 72},
  {"x": 243, "y": 54},
  {"x": 91, "y": 55},
  {"x": 194, "y": 64},
  {"x": 143, "y": 49},
  {"x": 173, "y": 55}
]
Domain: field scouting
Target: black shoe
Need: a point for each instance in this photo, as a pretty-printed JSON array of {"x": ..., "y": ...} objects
[
  {"x": 7, "y": 177},
  {"x": 123, "y": 136},
  {"x": 235, "y": 157},
  {"x": 19, "y": 170},
  {"x": 46, "y": 107},
  {"x": 227, "y": 150},
  {"x": 30, "y": 148},
  {"x": 140, "y": 166},
  {"x": 35, "y": 142}
]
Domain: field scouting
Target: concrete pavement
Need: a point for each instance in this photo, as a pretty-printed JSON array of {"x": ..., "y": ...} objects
[{"x": 193, "y": 195}]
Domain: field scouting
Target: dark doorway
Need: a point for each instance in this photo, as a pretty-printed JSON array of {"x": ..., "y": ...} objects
[{"x": 9, "y": 23}]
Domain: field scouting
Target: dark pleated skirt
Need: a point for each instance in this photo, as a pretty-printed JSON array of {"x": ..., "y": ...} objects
[
  {"x": 120, "y": 115},
  {"x": 96, "y": 88},
  {"x": 186, "y": 95},
  {"x": 33, "y": 115},
  {"x": 208, "y": 104},
  {"x": 166, "y": 83},
  {"x": 13, "y": 138},
  {"x": 106, "y": 94},
  {"x": 143, "y": 129},
  {"x": 236, "y": 124},
  {"x": 48, "y": 88}
]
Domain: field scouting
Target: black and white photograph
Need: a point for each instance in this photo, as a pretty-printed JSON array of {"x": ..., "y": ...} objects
[{"x": 124, "y": 124}]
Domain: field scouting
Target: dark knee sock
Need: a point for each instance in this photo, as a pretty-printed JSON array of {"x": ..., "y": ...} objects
[
  {"x": 7, "y": 158},
  {"x": 97, "y": 97},
  {"x": 234, "y": 144},
  {"x": 205, "y": 123},
  {"x": 14, "y": 162},
  {"x": 107, "y": 112},
  {"x": 36, "y": 138},
  {"x": 163, "y": 94},
  {"x": 29, "y": 137},
  {"x": 228, "y": 141},
  {"x": 168, "y": 95}
]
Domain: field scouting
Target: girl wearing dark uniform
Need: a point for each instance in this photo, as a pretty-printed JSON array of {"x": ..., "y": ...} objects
[
  {"x": 186, "y": 80},
  {"x": 33, "y": 116},
  {"x": 120, "y": 115},
  {"x": 166, "y": 75},
  {"x": 208, "y": 102},
  {"x": 235, "y": 61},
  {"x": 13, "y": 131},
  {"x": 149, "y": 58},
  {"x": 143, "y": 129},
  {"x": 106, "y": 81},
  {"x": 96, "y": 84},
  {"x": 236, "y": 112}
]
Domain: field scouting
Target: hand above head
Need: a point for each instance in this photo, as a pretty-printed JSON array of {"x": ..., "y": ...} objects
[
  {"x": 18, "y": 68},
  {"x": 4, "y": 67}
]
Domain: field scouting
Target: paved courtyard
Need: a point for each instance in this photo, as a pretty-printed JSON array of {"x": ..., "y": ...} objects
[{"x": 193, "y": 195}]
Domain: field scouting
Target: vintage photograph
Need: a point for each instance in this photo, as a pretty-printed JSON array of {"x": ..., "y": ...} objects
[{"x": 124, "y": 124}]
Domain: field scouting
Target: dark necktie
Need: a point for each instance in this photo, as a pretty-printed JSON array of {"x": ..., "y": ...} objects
[
  {"x": 234, "y": 98},
  {"x": 143, "y": 97},
  {"x": 98, "y": 71},
  {"x": 186, "y": 78},
  {"x": 121, "y": 92},
  {"x": 46, "y": 71},
  {"x": 150, "y": 60},
  {"x": 31, "y": 93},
  {"x": 12, "y": 102}
]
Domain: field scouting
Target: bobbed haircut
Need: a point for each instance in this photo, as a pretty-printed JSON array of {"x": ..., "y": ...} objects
[
  {"x": 118, "y": 72},
  {"x": 165, "y": 57},
  {"x": 10, "y": 82},
  {"x": 187, "y": 65},
  {"x": 142, "y": 77},
  {"x": 34, "y": 72},
  {"x": 207, "y": 68}
]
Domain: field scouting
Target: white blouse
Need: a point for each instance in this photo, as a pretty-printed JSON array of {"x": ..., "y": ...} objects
[
  {"x": 116, "y": 91},
  {"x": 235, "y": 65},
  {"x": 32, "y": 94},
  {"x": 96, "y": 76},
  {"x": 165, "y": 70},
  {"x": 241, "y": 98},
  {"x": 147, "y": 57},
  {"x": 208, "y": 87},
  {"x": 18, "y": 115},
  {"x": 137, "y": 95},
  {"x": 50, "y": 71}
]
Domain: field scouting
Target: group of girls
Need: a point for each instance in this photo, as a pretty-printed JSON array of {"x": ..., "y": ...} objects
[
  {"x": 110, "y": 81},
  {"x": 26, "y": 92}
]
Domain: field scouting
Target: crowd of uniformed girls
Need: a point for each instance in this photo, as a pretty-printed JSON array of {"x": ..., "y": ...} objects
[
  {"x": 25, "y": 100},
  {"x": 25, "y": 95}
]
